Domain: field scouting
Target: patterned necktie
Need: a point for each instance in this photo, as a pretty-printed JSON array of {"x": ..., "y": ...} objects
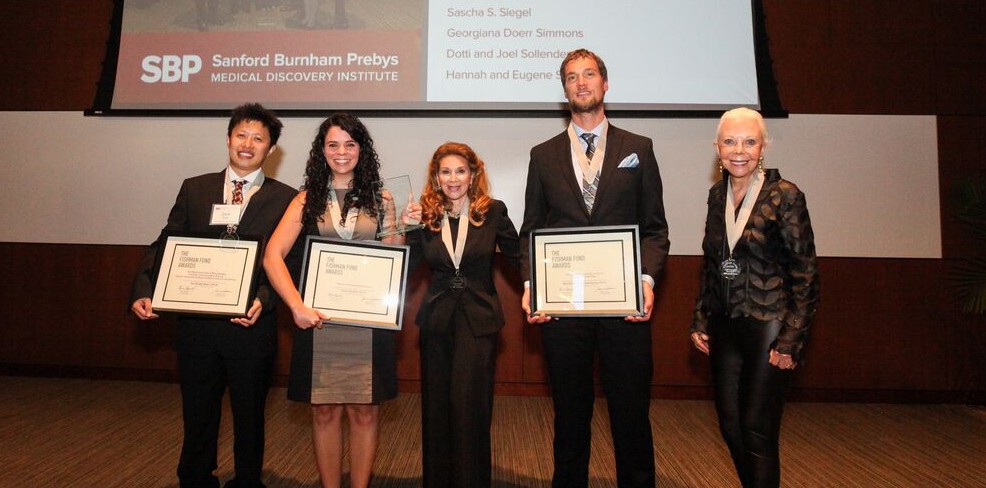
[
  {"x": 238, "y": 192},
  {"x": 589, "y": 187},
  {"x": 590, "y": 145}
]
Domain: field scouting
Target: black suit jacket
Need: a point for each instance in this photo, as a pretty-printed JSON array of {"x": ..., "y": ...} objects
[
  {"x": 625, "y": 196},
  {"x": 199, "y": 335},
  {"x": 478, "y": 300}
]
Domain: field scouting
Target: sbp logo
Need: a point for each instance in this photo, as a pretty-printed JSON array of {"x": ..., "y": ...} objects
[{"x": 170, "y": 68}]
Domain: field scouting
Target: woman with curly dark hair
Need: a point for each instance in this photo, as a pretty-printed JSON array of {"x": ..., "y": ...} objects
[
  {"x": 460, "y": 316},
  {"x": 341, "y": 371}
]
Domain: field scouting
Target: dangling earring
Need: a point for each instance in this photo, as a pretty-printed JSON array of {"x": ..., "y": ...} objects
[{"x": 760, "y": 164}]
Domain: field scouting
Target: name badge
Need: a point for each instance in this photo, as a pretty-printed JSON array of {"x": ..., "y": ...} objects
[{"x": 225, "y": 214}]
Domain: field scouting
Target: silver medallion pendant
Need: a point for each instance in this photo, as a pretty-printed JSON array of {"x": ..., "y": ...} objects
[
  {"x": 729, "y": 268},
  {"x": 457, "y": 283}
]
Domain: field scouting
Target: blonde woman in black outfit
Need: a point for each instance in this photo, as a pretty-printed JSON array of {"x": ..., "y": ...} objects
[{"x": 759, "y": 293}]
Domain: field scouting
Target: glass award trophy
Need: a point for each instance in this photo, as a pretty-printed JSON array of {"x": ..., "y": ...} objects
[{"x": 395, "y": 194}]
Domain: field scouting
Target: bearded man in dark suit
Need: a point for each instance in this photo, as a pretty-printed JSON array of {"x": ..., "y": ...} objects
[
  {"x": 594, "y": 174},
  {"x": 214, "y": 352}
]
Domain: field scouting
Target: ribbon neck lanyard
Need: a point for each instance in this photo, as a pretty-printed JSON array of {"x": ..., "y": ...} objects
[
  {"x": 335, "y": 214},
  {"x": 460, "y": 239}
]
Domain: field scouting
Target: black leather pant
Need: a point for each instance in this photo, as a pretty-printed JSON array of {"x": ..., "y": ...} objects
[{"x": 749, "y": 397}]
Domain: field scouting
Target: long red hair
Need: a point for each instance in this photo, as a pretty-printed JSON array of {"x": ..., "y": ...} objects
[{"x": 434, "y": 203}]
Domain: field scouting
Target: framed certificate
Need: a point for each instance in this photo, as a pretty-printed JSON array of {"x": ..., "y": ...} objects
[
  {"x": 359, "y": 283},
  {"x": 203, "y": 275},
  {"x": 586, "y": 272}
]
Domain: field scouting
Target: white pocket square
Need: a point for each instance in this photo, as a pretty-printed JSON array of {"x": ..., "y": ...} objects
[{"x": 630, "y": 161}]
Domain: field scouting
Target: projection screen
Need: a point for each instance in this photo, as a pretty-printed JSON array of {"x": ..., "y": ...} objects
[{"x": 427, "y": 55}]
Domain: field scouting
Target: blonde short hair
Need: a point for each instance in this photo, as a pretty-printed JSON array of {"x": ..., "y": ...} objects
[{"x": 743, "y": 113}]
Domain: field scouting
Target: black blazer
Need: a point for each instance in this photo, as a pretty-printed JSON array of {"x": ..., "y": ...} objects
[
  {"x": 778, "y": 278},
  {"x": 625, "y": 196},
  {"x": 199, "y": 335},
  {"x": 478, "y": 300}
]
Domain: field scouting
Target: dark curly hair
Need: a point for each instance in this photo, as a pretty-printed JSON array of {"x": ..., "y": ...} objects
[{"x": 366, "y": 176}]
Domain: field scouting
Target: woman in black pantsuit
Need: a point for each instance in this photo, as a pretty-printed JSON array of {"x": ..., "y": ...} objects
[
  {"x": 460, "y": 316},
  {"x": 758, "y": 296}
]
